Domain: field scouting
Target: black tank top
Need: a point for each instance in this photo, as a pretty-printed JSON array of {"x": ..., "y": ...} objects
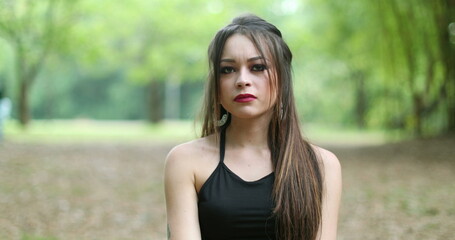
[{"x": 231, "y": 208}]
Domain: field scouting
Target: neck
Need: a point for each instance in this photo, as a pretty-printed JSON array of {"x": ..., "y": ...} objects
[{"x": 248, "y": 132}]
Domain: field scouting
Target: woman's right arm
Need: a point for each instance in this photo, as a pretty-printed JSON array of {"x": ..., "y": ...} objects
[{"x": 181, "y": 196}]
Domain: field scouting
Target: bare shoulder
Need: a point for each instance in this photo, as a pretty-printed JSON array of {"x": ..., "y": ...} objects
[
  {"x": 329, "y": 161},
  {"x": 186, "y": 155}
]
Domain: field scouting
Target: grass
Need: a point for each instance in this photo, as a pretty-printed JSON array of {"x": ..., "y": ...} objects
[
  {"x": 84, "y": 130},
  {"x": 92, "y": 130}
]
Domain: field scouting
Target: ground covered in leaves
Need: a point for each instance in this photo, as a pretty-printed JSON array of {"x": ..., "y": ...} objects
[{"x": 115, "y": 190}]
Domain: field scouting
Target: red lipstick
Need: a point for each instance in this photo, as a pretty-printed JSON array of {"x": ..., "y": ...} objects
[{"x": 244, "y": 98}]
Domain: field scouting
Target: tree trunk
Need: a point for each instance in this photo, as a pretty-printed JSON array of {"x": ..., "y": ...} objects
[
  {"x": 418, "y": 114},
  {"x": 451, "y": 96},
  {"x": 24, "y": 109},
  {"x": 156, "y": 102},
  {"x": 451, "y": 119},
  {"x": 24, "y": 84},
  {"x": 361, "y": 104}
]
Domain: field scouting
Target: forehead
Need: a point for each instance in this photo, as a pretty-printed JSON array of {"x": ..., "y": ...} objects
[{"x": 239, "y": 46}]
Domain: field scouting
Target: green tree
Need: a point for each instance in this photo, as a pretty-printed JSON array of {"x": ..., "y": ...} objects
[
  {"x": 398, "y": 59},
  {"x": 418, "y": 53},
  {"x": 34, "y": 30}
]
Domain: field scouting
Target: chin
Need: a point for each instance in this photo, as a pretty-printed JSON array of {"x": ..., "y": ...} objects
[{"x": 249, "y": 115}]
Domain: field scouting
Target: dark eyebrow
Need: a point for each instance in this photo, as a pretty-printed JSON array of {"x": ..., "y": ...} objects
[
  {"x": 227, "y": 60},
  {"x": 249, "y": 59},
  {"x": 255, "y": 58}
]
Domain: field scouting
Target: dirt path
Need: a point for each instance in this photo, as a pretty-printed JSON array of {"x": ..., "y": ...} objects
[
  {"x": 114, "y": 190},
  {"x": 399, "y": 191}
]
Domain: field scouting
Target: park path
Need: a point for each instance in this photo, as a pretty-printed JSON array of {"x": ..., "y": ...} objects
[{"x": 109, "y": 190}]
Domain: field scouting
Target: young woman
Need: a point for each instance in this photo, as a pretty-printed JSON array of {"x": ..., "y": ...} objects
[{"x": 251, "y": 175}]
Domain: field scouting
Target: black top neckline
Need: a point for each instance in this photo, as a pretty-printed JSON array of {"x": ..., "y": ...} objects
[{"x": 222, "y": 153}]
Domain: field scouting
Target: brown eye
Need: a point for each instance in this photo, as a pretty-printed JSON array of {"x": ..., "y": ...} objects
[
  {"x": 227, "y": 70},
  {"x": 258, "y": 67}
]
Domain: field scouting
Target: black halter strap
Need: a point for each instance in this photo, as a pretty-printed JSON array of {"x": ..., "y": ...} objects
[{"x": 222, "y": 143}]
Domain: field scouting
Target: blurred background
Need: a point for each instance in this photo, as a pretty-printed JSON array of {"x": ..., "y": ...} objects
[{"x": 93, "y": 94}]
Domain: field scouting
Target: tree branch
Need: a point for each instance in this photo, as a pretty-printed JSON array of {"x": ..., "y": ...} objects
[{"x": 48, "y": 36}]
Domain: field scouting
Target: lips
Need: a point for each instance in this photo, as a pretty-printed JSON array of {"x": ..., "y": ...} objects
[{"x": 243, "y": 98}]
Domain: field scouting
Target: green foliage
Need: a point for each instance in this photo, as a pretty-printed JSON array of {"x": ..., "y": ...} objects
[
  {"x": 33, "y": 237},
  {"x": 356, "y": 63},
  {"x": 394, "y": 60}
]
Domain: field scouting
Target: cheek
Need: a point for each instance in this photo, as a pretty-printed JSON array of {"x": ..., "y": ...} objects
[{"x": 223, "y": 89}]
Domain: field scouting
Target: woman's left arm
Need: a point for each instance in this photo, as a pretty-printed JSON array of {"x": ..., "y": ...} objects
[{"x": 332, "y": 195}]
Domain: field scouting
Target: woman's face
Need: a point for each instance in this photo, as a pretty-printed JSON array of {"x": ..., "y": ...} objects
[{"x": 244, "y": 80}]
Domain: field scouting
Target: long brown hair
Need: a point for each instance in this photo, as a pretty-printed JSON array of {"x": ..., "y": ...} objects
[{"x": 298, "y": 186}]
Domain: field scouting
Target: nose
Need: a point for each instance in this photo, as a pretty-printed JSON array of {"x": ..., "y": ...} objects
[{"x": 243, "y": 79}]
